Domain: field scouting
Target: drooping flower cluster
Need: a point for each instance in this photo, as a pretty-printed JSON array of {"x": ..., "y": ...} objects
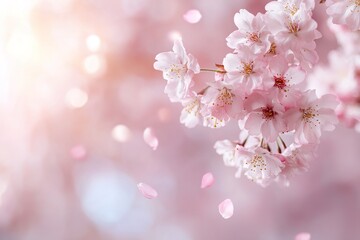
[
  {"x": 261, "y": 85},
  {"x": 342, "y": 75}
]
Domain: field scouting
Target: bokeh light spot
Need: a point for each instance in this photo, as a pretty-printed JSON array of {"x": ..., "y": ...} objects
[
  {"x": 192, "y": 16},
  {"x": 76, "y": 98},
  {"x": 121, "y": 133}
]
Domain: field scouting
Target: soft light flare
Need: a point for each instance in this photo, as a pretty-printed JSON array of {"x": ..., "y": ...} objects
[{"x": 93, "y": 43}]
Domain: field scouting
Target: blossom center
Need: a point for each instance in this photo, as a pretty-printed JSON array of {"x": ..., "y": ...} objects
[
  {"x": 268, "y": 113},
  {"x": 177, "y": 71},
  {"x": 254, "y": 37},
  {"x": 224, "y": 98},
  {"x": 257, "y": 162},
  {"x": 294, "y": 27},
  {"x": 248, "y": 68},
  {"x": 308, "y": 114},
  {"x": 357, "y": 3},
  {"x": 272, "y": 49},
  {"x": 279, "y": 82}
]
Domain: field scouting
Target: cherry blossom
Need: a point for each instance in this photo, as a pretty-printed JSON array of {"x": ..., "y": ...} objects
[
  {"x": 345, "y": 12},
  {"x": 260, "y": 165},
  {"x": 265, "y": 116},
  {"x": 295, "y": 29},
  {"x": 311, "y": 115},
  {"x": 178, "y": 69},
  {"x": 285, "y": 80},
  {"x": 296, "y": 159},
  {"x": 222, "y": 104},
  {"x": 252, "y": 32},
  {"x": 244, "y": 70}
]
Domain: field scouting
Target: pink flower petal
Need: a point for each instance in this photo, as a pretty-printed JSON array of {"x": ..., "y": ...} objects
[
  {"x": 147, "y": 191},
  {"x": 150, "y": 138},
  {"x": 226, "y": 209},
  {"x": 207, "y": 180},
  {"x": 303, "y": 236},
  {"x": 192, "y": 16},
  {"x": 78, "y": 152}
]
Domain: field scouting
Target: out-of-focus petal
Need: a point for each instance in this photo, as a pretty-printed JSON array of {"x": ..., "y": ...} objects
[
  {"x": 207, "y": 180},
  {"x": 303, "y": 236},
  {"x": 150, "y": 138},
  {"x": 147, "y": 191},
  {"x": 226, "y": 209}
]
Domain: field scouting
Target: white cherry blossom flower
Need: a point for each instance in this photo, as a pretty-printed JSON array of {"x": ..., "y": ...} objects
[{"x": 178, "y": 69}]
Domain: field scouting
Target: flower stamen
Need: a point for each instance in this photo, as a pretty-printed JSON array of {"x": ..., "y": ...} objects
[
  {"x": 309, "y": 114},
  {"x": 176, "y": 71},
  {"x": 272, "y": 49},
  {"x": 294, "y": 27},
  {"x": 268, "y": 113},
  {"x": 248, "y": 68},
  {"x": 193, "y": 107},
  {"x": 254, "y": 37},
  {"x": 279, "y": 82},
  {"x": 257, "y": 162},
  {"x": 225, "y": 97},
  {"x": 292, "y": 9}
]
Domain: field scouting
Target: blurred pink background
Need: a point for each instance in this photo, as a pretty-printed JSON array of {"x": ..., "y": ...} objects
[{"x": 77, "y": 89}]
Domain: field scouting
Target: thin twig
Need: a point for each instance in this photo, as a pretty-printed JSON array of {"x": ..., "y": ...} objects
[{"x": 211, "y": 70}]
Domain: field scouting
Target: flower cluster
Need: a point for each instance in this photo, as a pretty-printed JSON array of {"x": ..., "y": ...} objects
[
  {"x": 261, "y": 85},
  {"x": 342, "y": 75}
]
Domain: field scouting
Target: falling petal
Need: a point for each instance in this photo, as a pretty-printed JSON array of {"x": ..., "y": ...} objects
[
  {"x": 303, "y": 236},
  {"x": 150, "y": 138},
  {"x": 192, "y": 16},
  {"x": 207, "y": 180},
  {"x": 147, "y": 191},
  {"x": 226, "y": 209}
]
